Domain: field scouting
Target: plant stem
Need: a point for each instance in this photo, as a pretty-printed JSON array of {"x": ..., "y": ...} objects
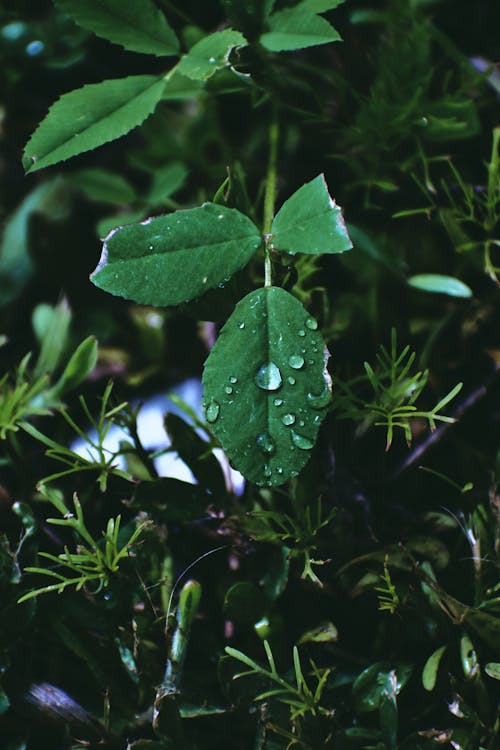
[{"x": 270, "y": 195}]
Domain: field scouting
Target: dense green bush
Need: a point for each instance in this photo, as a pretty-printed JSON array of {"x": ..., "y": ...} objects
[{"x": 343, "y": 590}]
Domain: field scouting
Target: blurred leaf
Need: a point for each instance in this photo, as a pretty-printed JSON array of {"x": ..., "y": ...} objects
[
  {"x": 492, "y": 669},
  {"x": 104, "y": 186},
  {"x": 196, "y": 454},
  {"x": 137, "y": 25},
  {"x": 265, "y": 389},
  {"x": 296, "y": 28},
  {"x": 439, "y": 284},
  {"x": 275, "y": 579},
  {"x": 52, "y": 327},
  {"x": 172, "y": 500},
  {"x": 166, "y": 181},
  {"x": 324, "y": 633},
  {"x": 80, "y": 364},
  {"x": 210, "y": 54},
  {"x": 88, "y": 117},
  {"x": 244, "y": 603},
  {"x": 310, "y": 222},
  {"x": 179, "y": 255}
]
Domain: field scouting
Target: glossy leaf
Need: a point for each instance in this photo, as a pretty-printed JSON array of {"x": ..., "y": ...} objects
[
  {"x": 266, "y": 389},
  {"x": 210, "y": 54},
  {"x": 439, "y": 284},
  {"x": 88, "y": 117},
  {"x": 294, "y": 28},
  {"x": 492, "y": 669},
  {"x": 137, "y": 25},
  {"x": 177, "y": 257},
  {"x": 310, "y": 222},
  {"x": 430, "y": 670}
]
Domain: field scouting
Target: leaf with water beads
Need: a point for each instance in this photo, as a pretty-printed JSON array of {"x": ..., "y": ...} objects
[
  {"x": 310, "y": 222},
  {"x": 176, "y": 257},
  {"x": 266, "y": 387}
]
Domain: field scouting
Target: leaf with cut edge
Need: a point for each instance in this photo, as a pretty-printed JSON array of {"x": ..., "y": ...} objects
[
  {"x": 266, "y": 389},
  {"x": 439, "y": 284},
  {"x": 294, "y": 28},
  {"x": 210, "y": 54},
  {"x": 137, "y": 25},
  {"x": 310, "y": 222},
  {"x": 177, "y": 257},
  {"x": 88, "y": 117}
]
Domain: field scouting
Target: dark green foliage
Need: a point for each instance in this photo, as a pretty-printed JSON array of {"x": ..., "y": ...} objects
[{"x": 348, "y": 595}]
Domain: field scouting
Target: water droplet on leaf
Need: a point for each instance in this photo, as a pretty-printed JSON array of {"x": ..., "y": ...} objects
[
  {"x": 233, "y": 379},
  {"x": 301, "y": 441},
  {"x": 302, "y": 333},
  {"x": 265, "y": 443},
  {"x": 296, "y": 361},
  {"x": 228, "y": 390},
  {"x": 268, "y": 377},
  {"x": 278, "y": 402},
  {"x": 291, "y": 380},
  {"x": 288, "y": 419},
  {"x": 312, "y": 324},
  {"x": 241, "y": 326},
  {"x": 319, "y": 400},
  {"x": 212, "y": 411}
]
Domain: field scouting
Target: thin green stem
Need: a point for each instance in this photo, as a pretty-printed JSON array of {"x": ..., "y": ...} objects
[{"x": 270, "y": 195}]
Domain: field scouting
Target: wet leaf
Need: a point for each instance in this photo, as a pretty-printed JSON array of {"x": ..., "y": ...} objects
[
  {"x": 177, "y": 257},
  {"x": 310, "y": 222},
  {"x": 266, "y": 392},
  {"x": 210, "y": 54}
]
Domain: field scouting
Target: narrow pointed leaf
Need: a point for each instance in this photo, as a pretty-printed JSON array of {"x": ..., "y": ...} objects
[
  {"x": 266, "y": 388},
  {"x": 310, "y": 222},
  {"x": 88, "y": 117},
  {"x": 430, "y": 670},
  {"x": 294, "y": 28},
  {"x": 177, "y": 257},
  {"x": 210, "y": 54},
  {"x": 137, "y": 25},
  {"x": 440, "y": 284}
]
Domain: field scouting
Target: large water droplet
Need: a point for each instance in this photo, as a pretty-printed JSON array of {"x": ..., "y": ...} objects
[
  {"x": 301, "y": 441},
  {"x": 265, "y": 443},
  {"x": 296, "y": 361},
  {"x": 312, "y": 324},
  {"x": 288, "y": 419},
  {"x": 268, "y": 377},
  {"x": 319, "y": 400},
  {"x": 212, "y": 411}
]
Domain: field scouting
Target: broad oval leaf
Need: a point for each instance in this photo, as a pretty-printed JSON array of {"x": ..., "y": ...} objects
[
  {"x": 266, "y": 389},
  {"x": 137, "y": 25},
  {"x": 88, "y": 117},
  {"x": 177, "y": 257},
  {"x": 210, "y": 54},
  {"x": 440, "y": 284},
  {"x": 294, "y": 28},
  {"x": 310, "y": 222}
]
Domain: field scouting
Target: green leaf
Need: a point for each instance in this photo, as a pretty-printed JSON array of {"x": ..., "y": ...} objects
[
  {"x": 210, "y": 54},
  {"x": 81, "y": 362},
  {"x": 294, "y": 28},
  {"x": 177, "y": 257},
  {"x": 324, "y": 633},
  {"x": 104, "y": 186},
  {"x": 137, "y": 25},
  {"x": 310, "y": 222},
  {"x": 88, "y": 117},
  {"x": 319, "y": 6},
  {"x": 179, "y": 87},
  {"x": 196, "y": 454},
  {"x": 373, "y": 683},
  {"x": 51, "y": 325},
  {"x": 166, "y": 181},
  {"x": 266, "y": 386},
  {"x": 430, "y": 670},
  {"x": 439, "y": 284},
  {"x": 492, "y": 669}
]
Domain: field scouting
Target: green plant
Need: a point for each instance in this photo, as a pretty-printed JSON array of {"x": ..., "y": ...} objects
[
  {"x": 93, "y": 562},
  {"x": 394, "y": 391}
]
